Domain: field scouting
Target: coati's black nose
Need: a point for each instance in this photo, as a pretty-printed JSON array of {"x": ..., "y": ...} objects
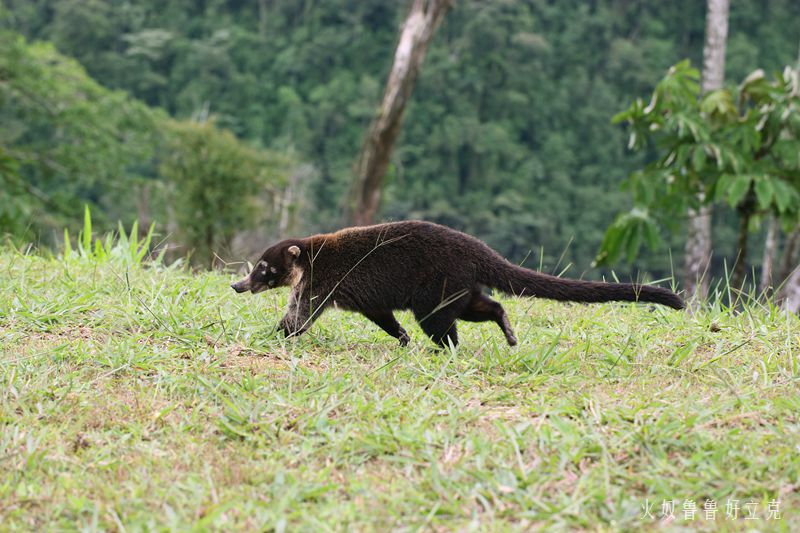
[{"x": 238, "y": 287}]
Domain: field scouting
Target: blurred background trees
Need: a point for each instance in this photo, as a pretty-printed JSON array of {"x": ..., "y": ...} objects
[
  {"x": 64, "y": 137},
  {"x": 67, "y": 141},
  {"x": 216, "y": 187},
  {"x": 508, "y": 134}
]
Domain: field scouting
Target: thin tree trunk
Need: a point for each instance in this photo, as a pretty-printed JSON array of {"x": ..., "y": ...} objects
[
  {"x": 789, "y": 294},
  {"x": 210, "y": 246},
  {"x": 287, "y": 198},
  {"x": 418, "y": 29},
  {"x": 262, "y": 17},
  {"x": 698, "y": 243},
  {"x": 290, "y": 200},
  {"x": 788, "y": 261},
  {"x": 768, "y": 262},
  {"x": 143, "y": 209},
  {"x": 740, "y": 267},
  {"x": 714, "y": 47},
  {"x": 698, "y": 253}
]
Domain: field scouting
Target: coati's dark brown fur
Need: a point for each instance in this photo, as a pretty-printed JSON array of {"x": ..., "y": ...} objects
[{"x": 436, "y": 272}]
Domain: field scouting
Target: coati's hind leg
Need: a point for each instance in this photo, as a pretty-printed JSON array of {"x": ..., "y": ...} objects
[
  {"x": 440, "y": 326},
  {"x": 436, "y": 309},
  {"x": 389, "y": 324},
  {"x": 481, "y": 308}
]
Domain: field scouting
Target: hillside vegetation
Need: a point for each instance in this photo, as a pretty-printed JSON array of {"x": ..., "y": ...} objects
[
  {"x": 148, "y": 397},
  {"x": 508, "y": 134}
]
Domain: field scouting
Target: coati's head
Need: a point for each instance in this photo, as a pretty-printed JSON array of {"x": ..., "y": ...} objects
[{"x": 277, "y": 267}]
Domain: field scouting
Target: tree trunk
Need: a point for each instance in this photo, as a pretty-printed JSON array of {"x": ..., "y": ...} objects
[
  {"x": 740, "y": 267},
  {"x": 768, "y": 262},
  {"x": 290, "y": 202},
  {"x": 143, "y": 209},
  {"x": 418, "y": 29},
  {"x": 714, "y": 47},
  {"x": 789, "y": 294},
  {"x": 263, "y": 14},
  {"x": 698, "y": 243},
  {"x": 211, "y": 256},
  {"x": 285, "y": 204},
  {"x": 698, "y": 253},
  {"x": 788, "y": 261}
]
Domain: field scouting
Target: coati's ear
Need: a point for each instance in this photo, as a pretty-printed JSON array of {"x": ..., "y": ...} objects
[{"x": 294, "y": 251}]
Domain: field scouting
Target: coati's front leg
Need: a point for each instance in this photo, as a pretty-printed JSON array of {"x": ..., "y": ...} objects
[
  {"x": 299, "y": 314},
  {"x": 388, "y": 323},
  {"x": 292, "y": 324}
]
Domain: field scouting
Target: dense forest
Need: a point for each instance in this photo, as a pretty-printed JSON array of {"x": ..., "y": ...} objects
[{"x": 508, "y": 135}]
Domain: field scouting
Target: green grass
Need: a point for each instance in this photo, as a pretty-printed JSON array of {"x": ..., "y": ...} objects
[{"x": 139, "y": 398}]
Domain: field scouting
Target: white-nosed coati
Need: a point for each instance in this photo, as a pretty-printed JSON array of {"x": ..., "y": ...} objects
[{"x": 436, "y": 272}]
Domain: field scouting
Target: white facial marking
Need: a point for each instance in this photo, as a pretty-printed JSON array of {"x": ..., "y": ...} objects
[{"x": 273, "y": 270}]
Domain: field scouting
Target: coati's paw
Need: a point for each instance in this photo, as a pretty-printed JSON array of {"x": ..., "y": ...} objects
[
  {"x": 512, "y": 340},
  {"x": 289, "y": 328},
  {"x": 404, "y": 338}
]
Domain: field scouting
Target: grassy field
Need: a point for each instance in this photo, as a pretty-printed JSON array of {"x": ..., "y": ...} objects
[{"x": 139, "y": 398}]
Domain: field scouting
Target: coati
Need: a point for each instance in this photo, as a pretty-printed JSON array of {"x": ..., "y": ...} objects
[{"x": 436, "y": 272}]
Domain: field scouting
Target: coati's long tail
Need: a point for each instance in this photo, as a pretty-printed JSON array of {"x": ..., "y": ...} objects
[{"x": 519, "y": 281}]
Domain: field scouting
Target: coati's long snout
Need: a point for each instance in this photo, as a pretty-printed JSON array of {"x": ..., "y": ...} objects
[
  {"x": 248, "y": 284},
  {"x": 240, "y": 286}
]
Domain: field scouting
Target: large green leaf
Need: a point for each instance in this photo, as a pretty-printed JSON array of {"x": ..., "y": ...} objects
[
  {"x": 699, "y": 158},
  {"x": 738, "y": 189},
  {"x": 626, "y": 235},
  {"x": 719, "y": 104},
  {"x": 764, "y": 191},
  {"x": 721, "y": 186},
  {"x": 786, "y": 197}
]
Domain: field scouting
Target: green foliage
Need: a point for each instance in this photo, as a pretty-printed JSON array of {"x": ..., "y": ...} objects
[
  {"x": 66, "y": 141},
  {"x": 738, "y": 145},
  {"x": 14, "y": 207},
  {"x": 216, "y": 185},
  {"x": 626, "y": 235},
  {"x": 67, "y": 137},
  {"x": 507, "y": 134}
]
